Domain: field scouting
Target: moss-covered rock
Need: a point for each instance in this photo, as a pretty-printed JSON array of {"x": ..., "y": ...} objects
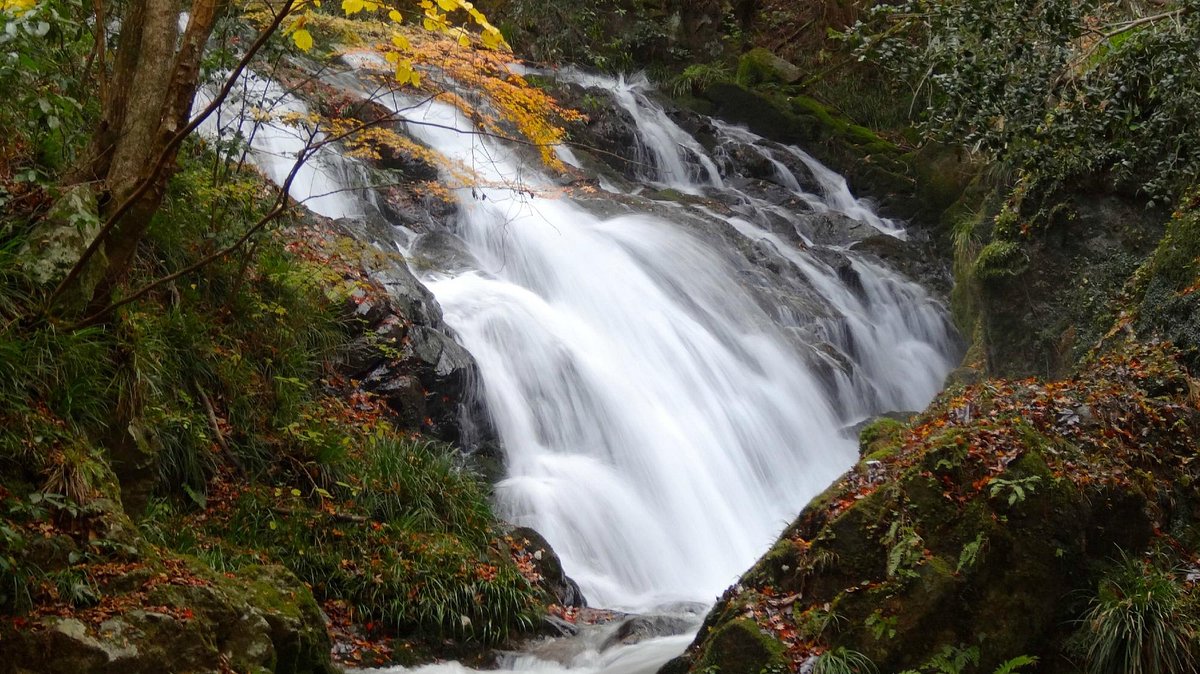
[
  {"x": 976, "y": 527},
  {"x": 179, "y": 617},
  {"x": 761, "y": 66},
  {"x": 739, "y": 646},
  {"x": 880, "y": 437}
]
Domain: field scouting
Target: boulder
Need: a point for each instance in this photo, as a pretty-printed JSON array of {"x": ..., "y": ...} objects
[
  {"x": 762, "y": 66},
  {"x": 554, "y": 581},
  {"x": 639, "y": 628},
  {"x": 261, "y": 619}
]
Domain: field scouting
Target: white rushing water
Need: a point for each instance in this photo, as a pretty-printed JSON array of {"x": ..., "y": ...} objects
[{"x": 661, "y": 424}]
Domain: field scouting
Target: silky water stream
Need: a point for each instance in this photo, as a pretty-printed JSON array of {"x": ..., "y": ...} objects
[{"x": 670, "y": 380}]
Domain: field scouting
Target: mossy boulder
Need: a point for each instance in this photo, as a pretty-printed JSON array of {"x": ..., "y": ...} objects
[
  {"x": 179, "y": 617},
  {"x": 759, "y": 66},
  {"x": 739, "y": 646},
  {"x": 976, "y": 526}
]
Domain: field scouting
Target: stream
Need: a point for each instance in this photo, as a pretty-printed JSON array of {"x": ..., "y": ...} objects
[{"x": 672, "y": 379}]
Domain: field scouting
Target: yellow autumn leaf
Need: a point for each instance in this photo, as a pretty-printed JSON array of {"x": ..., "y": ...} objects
[
  {"x": 303, "y": 39},
  {"x": 352, "y": 6},
  {"x": 463, "y": 40},
  {"x": 448, "y": 5},
  {"x": 401, "y": 42},
  {"x": 392, "y": 57},
  {"x": 492, "y": 39},
  {"x": 395, "y": 16},
  {"x": 406, "y": 74}
]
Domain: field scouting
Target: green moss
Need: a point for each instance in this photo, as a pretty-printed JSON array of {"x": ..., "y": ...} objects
[
  {"x": 761, "y": 66},
  {"x": 739, "y": 647},
  {"x": 880, "y": 438},
  {"x": 840, "y": 126}
]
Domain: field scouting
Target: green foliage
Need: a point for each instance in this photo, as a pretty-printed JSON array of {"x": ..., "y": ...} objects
[
  {"x": 41, "y": 50},
  {"x": 1016, "y": 664},
  {"x": 906, "y": 549},
  {"x": 244, "y": 336},
  {"x": 882, "y": 628},
  {"x": 957, "y": 660},
  {"x": 698, "y": 77},
  {"x": 1016, "y": 488},
  {"x": 970, "y": 554},
  {"x": 843, "y": 661},
  {"x": 1063, "y": 89},
  {"x": 410, "y": 545},
  {"x": 608, "y": 36},
  {"x": 1169, "y": 285},
  {"x": 417, "y": 483},
  {"x": 55, "y": 387},
  {"x": 1000, "y": 259},
  {"x": 1142, "y": 621}
]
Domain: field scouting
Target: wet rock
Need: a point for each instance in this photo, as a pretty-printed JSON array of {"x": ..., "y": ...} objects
[
  {"x": 835, "y": 229},
  {"x": 917, "y": 261},
  {"x": 403, "y": 351},
  {"x": 441, "y": 251},
  {"x": 555, "y": 581},
  {"x": 637, "y": 629}
]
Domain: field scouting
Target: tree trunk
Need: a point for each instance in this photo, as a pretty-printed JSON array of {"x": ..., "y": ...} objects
[{"x": 155, "y": 77}]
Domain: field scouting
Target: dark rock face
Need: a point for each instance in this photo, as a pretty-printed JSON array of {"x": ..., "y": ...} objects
[
  {"x": 261, "y": 620},
  {"x": 918, "y": 261},
  {"x": 1044, "y": 300},
  {"x": 987, "y": 522},
  {"x": 554, "y": 581},
  {"x": 405, "y": 353}
]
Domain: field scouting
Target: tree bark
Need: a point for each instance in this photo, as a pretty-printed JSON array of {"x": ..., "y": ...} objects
[{"x": 154, "y": 82}]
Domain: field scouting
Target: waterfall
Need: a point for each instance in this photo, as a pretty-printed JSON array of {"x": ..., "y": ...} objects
[
  {"x": 665, "y": 405},
  {"x": 271, "y": 126}
]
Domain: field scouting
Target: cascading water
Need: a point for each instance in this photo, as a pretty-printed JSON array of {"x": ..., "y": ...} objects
[
  {"x": 662, "y": 416},
  {"x": 326, "y": 183}
]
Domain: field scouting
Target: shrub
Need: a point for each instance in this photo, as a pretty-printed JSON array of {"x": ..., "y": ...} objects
[{"x": 1142, "y": 621}]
